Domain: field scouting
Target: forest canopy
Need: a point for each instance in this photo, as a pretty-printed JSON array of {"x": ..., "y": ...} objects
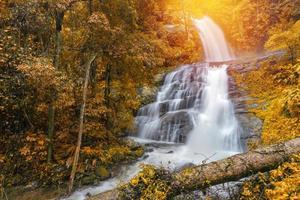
[{"x": 51, "y": 51}]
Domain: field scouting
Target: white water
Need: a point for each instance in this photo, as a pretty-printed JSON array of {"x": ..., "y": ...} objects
[
  {"x": 216, "y": 129},
  {"x": 194, "y": 100},
  {"x": 196, "y": 97},
  {"x": 213, "y": 40}
]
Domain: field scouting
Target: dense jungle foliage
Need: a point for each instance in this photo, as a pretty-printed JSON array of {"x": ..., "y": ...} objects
[{"x": 46, "y": 46}]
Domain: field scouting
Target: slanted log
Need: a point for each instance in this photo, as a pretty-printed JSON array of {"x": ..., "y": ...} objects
[
  {"x": 229, "y": 169},
  {"x": 235, "y": 167}
]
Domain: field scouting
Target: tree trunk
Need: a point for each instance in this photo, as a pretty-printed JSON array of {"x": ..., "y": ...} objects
[
  {"x": 77, "y": 151},
  {"x": 90, "y": 5},
  {"x": 56, "y": 59},
  {"x": 59, "y": 16},
  {"x": 51, "y": 113},
  {"x": 292, "y": 50},
  {"x": 107, "y": 91},
  {"x": 107, "y": 84},
  {"x": 235, "y": 167}
]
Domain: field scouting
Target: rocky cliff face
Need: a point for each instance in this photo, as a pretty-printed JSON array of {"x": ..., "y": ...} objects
[
  {"x": 252, "y": 125},
  {"x": 181, "y": 120}
]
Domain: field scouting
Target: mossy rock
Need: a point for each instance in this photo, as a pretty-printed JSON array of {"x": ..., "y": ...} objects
[
  {"x": 89, "y": 180},
  {"x": 117, "y": 157},
  {"x": 102, "y": 172},
  {"x": 139, "y": 152}
]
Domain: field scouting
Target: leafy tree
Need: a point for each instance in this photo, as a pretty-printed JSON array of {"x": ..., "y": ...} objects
[{"x": 288, "y": 40}]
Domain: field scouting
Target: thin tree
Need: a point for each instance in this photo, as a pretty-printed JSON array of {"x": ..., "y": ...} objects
[
  {"x": 81, "y": 123},
  {"x": 59, "y": 16}
]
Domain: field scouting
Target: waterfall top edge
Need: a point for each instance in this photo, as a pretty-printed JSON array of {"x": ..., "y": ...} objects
[{"x": 213, "y": 39}]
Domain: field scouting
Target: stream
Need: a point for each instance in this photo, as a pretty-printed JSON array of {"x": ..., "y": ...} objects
[{"x": 193, "y": 118}]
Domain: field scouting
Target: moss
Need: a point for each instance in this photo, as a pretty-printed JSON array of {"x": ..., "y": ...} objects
[
  {"x": 275, "y": 91},
  {"x": 89, "y": 180},
  {"x": 150, "y": 183},
  {"x": 102, "y": 172},
  {"x": 281, "y": 183},
  {"x": 139, "y": 152}
]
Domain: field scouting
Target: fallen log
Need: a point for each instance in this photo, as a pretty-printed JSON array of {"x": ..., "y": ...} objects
[{"x": 234, "y": 168}]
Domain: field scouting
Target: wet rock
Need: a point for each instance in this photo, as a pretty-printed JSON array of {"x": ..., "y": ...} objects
[
  {"x": 145, "y": 157},
  {"x": 254, "y": 105},
  {"x": 133, "y": 145},
  {"x": 252, "y": 128},
  {"x": 251, "y": 124},
  {"x": 149, "y": 150},
  {"x": 179, "y": 121},
  {"x": 155, "y": 145},
  {"x": 139, "y": 152},
  {"x": 88, "y": 195},
  {"x": 196, "y": 195},
  {"x": 109, "y": 195},
  {"x": 89, "y": 180},
  {"x": 102, "y": 172},
  {"x": 169, "y": 152},
  {"x": 226, "y": 191}
]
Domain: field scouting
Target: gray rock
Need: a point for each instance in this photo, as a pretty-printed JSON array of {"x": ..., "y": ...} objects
[
  {"x": 149, "y": 150},
  {"x": 145, "y": 156},
  {"x": 132, "y": 144},
  {"x": 226, "y": 191},
  {"x": 169, "y": 152},
  {"x": 252, "y": 127}
]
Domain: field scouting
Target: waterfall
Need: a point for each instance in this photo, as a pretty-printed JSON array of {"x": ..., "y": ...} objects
[
  {"x": 213, "y": 40},
  {"x": 193, "y": 106}
]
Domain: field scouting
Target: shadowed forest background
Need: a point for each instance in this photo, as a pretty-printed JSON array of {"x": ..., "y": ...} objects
[{"x": 48, "y": 46}]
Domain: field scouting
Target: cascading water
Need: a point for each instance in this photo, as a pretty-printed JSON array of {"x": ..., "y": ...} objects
[
  {"x": 213, "y": 41},
  {"x": 170, "y": 118},
  {"x": 216, "y": 128},
  {"x": 192, "y": 107},
  {"x": 193, "y": 103}
]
